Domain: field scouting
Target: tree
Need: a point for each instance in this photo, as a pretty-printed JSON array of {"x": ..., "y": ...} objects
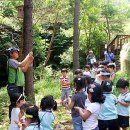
[
  {"x": 27, "y": 40},
  {"x": 76, "y": 35}
]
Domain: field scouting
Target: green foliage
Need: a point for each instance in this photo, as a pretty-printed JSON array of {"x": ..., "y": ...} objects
[
  {"x": 119, "y": 74},
  {"x": 4, "y": 102}
]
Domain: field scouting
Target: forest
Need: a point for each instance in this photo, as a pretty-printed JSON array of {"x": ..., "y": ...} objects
[{"x": 49, "y": 29}]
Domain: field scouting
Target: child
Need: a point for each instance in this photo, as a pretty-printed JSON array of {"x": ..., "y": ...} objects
[
  {"x": 108, "y": 119},
  {"x": 32, "y": 118},
  {"x": 65, "y": 85},
  {"x": 18, "y": 100},
  {"x": 46, "y": 115},
  {"x": 23, "y": 123},
  {"x": 78, "y": 72},
  {"x": 111, "y": 68},
  {"x": 87, "y": 70},
  {"x": 90, "y": 114},
  {"x": 78, "y": 99},
  {"x": 123, "y": 103}
]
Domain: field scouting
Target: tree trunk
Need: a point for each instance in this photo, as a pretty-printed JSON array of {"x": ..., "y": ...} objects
[
  {"x": 76, "y": 35},
  {"x": 27, "y": 40}
]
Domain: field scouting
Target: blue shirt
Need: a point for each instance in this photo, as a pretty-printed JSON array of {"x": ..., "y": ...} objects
[
  {"x": 46, "y": 119},
  {"x": 108, "y": 110},
  {"x": 123, "y": 110},
  {"x": 109, "y": 56},
  {"x": 79, "y": 100},
  {"x": 33, "y": 126}
]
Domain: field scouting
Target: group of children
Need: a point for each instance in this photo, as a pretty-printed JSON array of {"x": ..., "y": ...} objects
[
  {"x": 25, "y": 116},
  {"x": 93, "y": 104}
]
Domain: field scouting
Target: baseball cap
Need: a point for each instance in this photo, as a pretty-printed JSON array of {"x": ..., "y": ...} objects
[{"x": 12, "y": 49}]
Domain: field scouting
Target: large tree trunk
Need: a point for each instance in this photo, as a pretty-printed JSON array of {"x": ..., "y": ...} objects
[
  {"x": 27, "y": 40},
  {"x": 76, "y": 35}
]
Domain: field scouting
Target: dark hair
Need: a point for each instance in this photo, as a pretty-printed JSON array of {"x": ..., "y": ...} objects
[
  {"x": 33, "y": 111},
  {"x": 26, "y": 105},
  {"x": 107, "y": 85},
  {"x": 97, "y": 93},
  {"x": 122, "y": 83},
  {"x": 48, "y": 102},
  {"x": 113, "y": 60},
  {"x": 88, "y": 79},
  {"x": 87, "y": 66},
  {"x": 64, "y": 70},
  {"x": 111, "y": 66},
  {"x": 78, "y": 71},
  {"x": 16, "y": 98},
  {"x": 95, "y": 64},
  {"x": 79, "y": 83}
]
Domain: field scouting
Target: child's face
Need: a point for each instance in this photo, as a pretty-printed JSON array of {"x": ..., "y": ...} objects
[
  {"x": 14, "y": 55},
  {"x": 110, "y": 69},
  {"x": 20, "y": 103},
  {"x": 123, "y": 90},
  {"x": 86, "y": 69}
]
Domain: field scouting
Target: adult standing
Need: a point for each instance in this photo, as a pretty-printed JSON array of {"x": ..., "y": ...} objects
[
  {"x": 16, "y": 79},
  {"x": 109, "y": 56},
  {"x": 90, "y": 59}
]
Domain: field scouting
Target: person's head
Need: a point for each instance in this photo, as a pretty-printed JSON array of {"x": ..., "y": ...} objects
[
  {"x": 78, "y": 72},
  {"x": 64, "y": 71},
  {"x": 79, "y": 83},
  {"x": 109, "y": 50},
  {"x": 104, "y": 74},
  {"x": 111, "y": 67},
  {"x": 87, "y": 68},
  {"x": 95, "y": 65},
  {"x": 107, "y": 85},
  {"x": 13, "y": 53},
  {"x": 48, "y": 103},
  {"x": 32, "y": 115},
  {"x": 95, "y": 93},
  {"x": 88, "y": 80},
  {"x": 122, "y": 85},
  {"x": 24, "y": 107},
  {"x": 17, "y": 99},
  {"x": 90, "y": 52}
]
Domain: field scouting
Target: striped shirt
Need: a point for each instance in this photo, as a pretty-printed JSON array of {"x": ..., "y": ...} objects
[{"x": 64, "y": 82}]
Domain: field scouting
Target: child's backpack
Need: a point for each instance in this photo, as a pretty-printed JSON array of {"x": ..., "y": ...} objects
[{"x": 3, "y": 69}]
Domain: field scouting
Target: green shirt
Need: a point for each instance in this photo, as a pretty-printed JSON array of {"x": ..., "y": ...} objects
[{"x": 15, "y": 74}]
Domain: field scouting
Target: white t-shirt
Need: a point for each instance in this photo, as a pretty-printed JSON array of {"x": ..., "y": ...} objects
[
  {"x": 92, "y": 122},
  {"x": 14, "y": 119},
  {"x": 87, "y": 73}
]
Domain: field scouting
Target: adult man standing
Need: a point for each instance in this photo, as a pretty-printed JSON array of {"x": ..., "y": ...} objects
[
  {"x": 109, "y": 56},
  {"x": 90, "y": 59},
  {"x": 16, "y": 80}
]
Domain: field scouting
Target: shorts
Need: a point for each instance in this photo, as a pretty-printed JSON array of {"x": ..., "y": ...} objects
[
  {"x": 65, "y": 93},
  {"x": 108, "y": 124},
  {"x": 123, "y": 121}
]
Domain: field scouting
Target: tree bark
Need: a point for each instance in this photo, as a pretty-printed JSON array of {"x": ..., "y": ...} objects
[
  {"x": 27, "y": 40},
  {"x": 76, "y": 35}
]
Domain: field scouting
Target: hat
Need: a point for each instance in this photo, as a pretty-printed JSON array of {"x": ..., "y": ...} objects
[
  {"x": 102, "y": 73},
  {"x": 64, "y": 70},
  {"x": 12, "y": 49},
  {"x": 90, "y": 51}
]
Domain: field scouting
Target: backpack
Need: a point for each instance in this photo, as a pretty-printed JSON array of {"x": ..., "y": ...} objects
[{"x": 3, "y": 70}]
